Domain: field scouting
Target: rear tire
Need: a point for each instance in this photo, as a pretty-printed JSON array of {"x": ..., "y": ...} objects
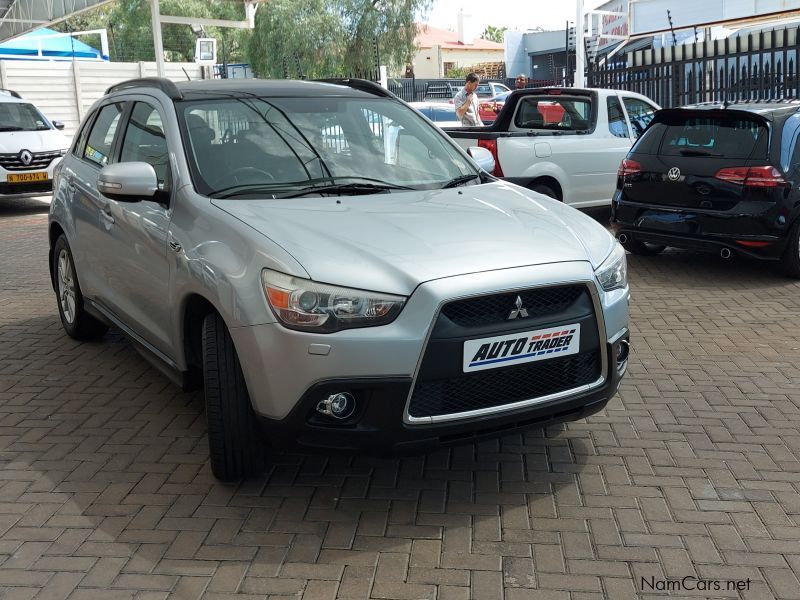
[
  {"x": 235, "y": 443},
  {"x": 790, "y": 261},
  {"x": 642, "y": 248},
  {"x": 77, "y": 323},
  {"x": 545, "y": 190}
]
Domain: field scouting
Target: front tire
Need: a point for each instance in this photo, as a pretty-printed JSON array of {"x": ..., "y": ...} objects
[
  {"x": 790, "y": 261},
  {"x": 235, "y": 444},
  {"x": 78, "y": 324},
  {"x": 545, "y": 190}
]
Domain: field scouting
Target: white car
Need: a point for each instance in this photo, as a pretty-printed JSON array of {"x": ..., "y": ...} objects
[
  {"x": 566, "y": 143},
  {"x": 30, "y": 148},
  {"x": 442, "y": 114}
]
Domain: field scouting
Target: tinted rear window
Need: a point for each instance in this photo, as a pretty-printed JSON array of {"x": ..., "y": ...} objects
[
  {"x": 553, "y": 112},
  {"x": 718, "y": 136}
]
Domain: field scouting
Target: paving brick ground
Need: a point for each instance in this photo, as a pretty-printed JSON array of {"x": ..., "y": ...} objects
[{"x": 693, "y": 470}]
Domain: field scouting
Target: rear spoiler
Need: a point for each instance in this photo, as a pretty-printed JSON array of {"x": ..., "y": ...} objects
[{"x": 667, "y": 115}]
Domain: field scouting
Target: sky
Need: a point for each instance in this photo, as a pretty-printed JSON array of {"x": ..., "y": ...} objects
[{"x": 514, "y": 14}]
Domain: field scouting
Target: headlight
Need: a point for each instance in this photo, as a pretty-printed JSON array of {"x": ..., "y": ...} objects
[
  {"x": 613, "y": 273},
  {"x": 310, "y": 306}
]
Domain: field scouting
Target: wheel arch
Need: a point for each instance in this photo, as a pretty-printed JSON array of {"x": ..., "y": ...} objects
[{"x": 54, "y": 232}]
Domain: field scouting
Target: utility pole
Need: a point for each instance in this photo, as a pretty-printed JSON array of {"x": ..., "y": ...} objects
[
  {"x": 155, "y": 12},
  {"x": 579, "y": 80}
]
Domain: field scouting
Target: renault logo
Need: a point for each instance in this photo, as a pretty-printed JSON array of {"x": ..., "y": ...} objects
[
  {"x": 519, "y": 312},
  {"x": 674, "y": 174},
  {"x": 25, "y": 157}
]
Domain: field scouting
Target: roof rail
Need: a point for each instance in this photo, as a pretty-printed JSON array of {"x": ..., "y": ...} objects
[
  {"x": 361, "y": 84},
  {"x": 165, "y": 85},
  {"x": 10, "y": 93}
]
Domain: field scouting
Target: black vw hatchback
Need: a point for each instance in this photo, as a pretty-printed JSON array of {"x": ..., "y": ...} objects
[{"x": 723, "y": 178}]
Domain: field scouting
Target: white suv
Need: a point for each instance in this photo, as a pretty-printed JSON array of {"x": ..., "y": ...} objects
[{"x": 30, "y": 147}]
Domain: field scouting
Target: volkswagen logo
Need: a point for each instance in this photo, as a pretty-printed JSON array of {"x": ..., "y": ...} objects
[
  {"x": 674, "y": 174},
  {"x": 519, "y": 312},
  {"x": 25, "y": 157}
]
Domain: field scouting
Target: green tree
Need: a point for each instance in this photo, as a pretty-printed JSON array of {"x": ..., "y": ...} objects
[
  {"x": 494, "y": 34},
  {"x": 131, "y": 34},
  {"x": 457, "y": 72},
  {"x": 333, "y": 37}
]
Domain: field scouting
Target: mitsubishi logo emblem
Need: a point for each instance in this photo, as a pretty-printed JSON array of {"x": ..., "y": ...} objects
[
  {"x": 25, "y": 157},
  {"x": 519, "y": 312}
]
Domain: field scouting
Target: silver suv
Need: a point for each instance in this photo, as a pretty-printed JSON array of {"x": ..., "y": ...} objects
[{"x": 331, "y": 268}]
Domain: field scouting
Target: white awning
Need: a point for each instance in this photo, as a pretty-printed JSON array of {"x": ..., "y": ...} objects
[{"x": 21, "y": 16}]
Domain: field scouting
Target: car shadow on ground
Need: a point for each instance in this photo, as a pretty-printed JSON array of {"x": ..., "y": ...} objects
[
  {"x": 125, "y": 453},
  {"x": 19, "y": 207}
]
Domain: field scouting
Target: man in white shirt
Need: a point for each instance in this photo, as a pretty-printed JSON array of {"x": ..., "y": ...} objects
[{"x": 466, "y": 102}]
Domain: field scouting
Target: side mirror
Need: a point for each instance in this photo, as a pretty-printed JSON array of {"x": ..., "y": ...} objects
[
  {"x": 58, "y": 125},
  {"x": 482, "y": 157},
  {"x": 128, "y": 181}
]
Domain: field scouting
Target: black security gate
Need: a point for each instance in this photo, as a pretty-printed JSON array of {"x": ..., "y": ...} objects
[{"x": 756, "y": 66}]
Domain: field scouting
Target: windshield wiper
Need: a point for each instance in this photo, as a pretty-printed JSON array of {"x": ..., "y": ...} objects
[
  {"x": 461, "y": 179},
  {"x": 347, "y": 188},
  {"x": 685, "y": 152},
  {"x": 249, "y": 188},
  {"x": 12, "y": 128},
  {"x": 326, "y": 184}
]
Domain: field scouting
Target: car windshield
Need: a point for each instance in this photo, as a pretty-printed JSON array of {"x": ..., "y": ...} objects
[
  {"x": 283, "y": 144},
  {"x": 17, "y": 116}
]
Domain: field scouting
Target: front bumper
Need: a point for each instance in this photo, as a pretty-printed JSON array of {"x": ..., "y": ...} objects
[
  {"x": 31, "y": 189},
  {"x": 288, "y": 371}
]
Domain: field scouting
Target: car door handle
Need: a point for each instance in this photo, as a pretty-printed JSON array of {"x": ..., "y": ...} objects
[
  {"x": 173, "y": 243},
  {"x": 106, "y": 214}
]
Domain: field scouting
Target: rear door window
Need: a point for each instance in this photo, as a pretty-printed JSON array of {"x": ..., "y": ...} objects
[
  {"x": 553, "y": 112},
  {"x": 733, "y": 136}
]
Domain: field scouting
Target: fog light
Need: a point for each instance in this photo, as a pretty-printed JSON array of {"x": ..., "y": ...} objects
[{"x": 338, "y": 406}]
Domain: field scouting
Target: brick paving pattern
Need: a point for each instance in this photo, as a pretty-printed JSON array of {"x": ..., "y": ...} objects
[{"x": 693, "y": 470}]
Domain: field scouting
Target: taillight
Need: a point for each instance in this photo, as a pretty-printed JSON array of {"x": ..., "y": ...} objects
[
  {"x": 628, "y": 167},
  {"x": 491, "y": 146},
  {"x": 761, "y": 177}
]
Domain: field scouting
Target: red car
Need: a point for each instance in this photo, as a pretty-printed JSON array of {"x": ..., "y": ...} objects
[
  {"x": 488, "y": 109},
  {"x": 552, "y": 112}
]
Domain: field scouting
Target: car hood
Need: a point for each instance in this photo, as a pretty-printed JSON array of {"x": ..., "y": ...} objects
[
  {"x": 393, "y": 242},
  {"x": 12, "y": 142}
]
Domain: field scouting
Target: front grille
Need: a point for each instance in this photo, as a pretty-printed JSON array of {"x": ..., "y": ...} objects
[
  {"x": 490, "y": 310},
  {"x": 40, "y": 160},
  {"x": 497, "y": 387}
]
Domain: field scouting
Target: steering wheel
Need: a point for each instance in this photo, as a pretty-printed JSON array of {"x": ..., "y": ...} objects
[{"x": 244, "y": 175}]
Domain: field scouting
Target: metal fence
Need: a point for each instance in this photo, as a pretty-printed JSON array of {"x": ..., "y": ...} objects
[{"x": 757, "y": 66}]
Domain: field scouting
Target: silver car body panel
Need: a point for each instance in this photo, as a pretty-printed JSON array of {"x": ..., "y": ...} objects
[{"x": 432, "y": 246}]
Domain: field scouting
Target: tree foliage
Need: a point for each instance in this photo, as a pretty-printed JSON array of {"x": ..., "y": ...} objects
[
  {"x": 494, "y": 34},
  {"x": 130, "y": 29},
  {"x": 333, "y": 37}
]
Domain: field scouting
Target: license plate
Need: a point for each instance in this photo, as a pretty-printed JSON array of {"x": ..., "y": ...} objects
[
  {"x": 519, "y": 348},
  {"x": 27, "y": 177}
]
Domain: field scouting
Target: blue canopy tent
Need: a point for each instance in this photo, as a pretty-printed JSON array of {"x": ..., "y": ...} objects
[{"x": 48, "y": 45}]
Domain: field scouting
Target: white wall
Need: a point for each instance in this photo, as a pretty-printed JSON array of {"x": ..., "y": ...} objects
[{"x": 64, "y": 91}]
